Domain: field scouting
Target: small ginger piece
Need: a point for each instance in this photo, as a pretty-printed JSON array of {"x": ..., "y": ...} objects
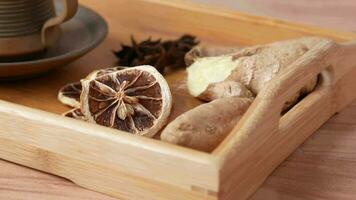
[
  {"x": 204, "y": 127},
  {"x": 225, "y": 89},
  {"x": 205, "y": 51},
  {"x": 205, "y": 71}
]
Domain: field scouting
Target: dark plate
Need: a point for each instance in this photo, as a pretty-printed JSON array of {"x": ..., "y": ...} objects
[{"x": 79, "y": 35}]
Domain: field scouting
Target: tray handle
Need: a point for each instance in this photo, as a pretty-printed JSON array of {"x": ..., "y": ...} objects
[
  {"x": 70, "y": 8},
  {"x": 265, "y": 112},
  {"x": 263, "y": 138}
]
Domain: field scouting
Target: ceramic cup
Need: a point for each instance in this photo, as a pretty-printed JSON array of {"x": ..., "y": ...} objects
[{"x": 30, "y": 26}]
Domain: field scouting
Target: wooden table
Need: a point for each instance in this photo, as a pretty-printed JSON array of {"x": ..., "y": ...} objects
[{"x": 322, "y": 168}]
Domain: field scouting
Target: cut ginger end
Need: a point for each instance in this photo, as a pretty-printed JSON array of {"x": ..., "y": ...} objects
[{"x": 205, "y": 71}]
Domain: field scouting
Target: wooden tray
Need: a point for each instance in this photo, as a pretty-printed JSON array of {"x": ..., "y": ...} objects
[{"x": 131, "y": 167}]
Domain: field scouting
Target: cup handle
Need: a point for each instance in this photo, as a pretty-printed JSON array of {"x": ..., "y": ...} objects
[{"x": 69, "y": 9}]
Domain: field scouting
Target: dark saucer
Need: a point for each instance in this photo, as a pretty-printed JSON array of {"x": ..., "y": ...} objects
[{"x": 79, "y": 35}]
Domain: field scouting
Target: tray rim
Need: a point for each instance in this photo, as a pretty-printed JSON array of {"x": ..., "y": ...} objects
[{"x": 255, "y": 19}]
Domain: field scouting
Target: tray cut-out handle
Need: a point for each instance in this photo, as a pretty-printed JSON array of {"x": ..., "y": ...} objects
[
  {"x": 263, "y": 138},
  {"x": 327, "y": 58}
]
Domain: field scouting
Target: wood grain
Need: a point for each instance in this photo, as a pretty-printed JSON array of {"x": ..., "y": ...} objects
[
  {"x": 321, "y": 177},
  {"x": 17, "y": 182}
]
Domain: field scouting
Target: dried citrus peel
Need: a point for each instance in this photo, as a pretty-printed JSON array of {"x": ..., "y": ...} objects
[
  {"x": 70, "y": 94},
  {"x": 75, "y": 113}
]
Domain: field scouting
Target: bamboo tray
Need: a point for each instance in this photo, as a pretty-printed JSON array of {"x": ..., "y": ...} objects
[{"x": 130, "y": 167}]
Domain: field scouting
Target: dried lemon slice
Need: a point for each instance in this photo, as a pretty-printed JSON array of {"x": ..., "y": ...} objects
[
  {"x": 136, "y": 100},
  {"x": 70, "y": 94},
  {"x": 101, "y": 72},
  {"x": 75, "y": 113}
]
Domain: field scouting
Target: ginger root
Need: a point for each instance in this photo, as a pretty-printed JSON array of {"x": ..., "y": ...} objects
[
  {"x": 225, "y": 89},
  {"x": 204, "y": 51},
  {"x": 205, "y": 71},
  {"x": 204, "y": 127},
  {"x": 252, "y": 67}
]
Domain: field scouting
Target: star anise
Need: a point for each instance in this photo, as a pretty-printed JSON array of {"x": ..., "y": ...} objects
[
  {"x": 123, "y": 104},
  {"x": 158, "y": 53}
]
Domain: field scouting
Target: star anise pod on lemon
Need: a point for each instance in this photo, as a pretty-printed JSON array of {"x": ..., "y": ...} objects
[{"x": 69, "y": 94}]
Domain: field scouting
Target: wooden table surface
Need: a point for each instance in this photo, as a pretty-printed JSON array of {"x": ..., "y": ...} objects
[{"x": 314, "y": 171}]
